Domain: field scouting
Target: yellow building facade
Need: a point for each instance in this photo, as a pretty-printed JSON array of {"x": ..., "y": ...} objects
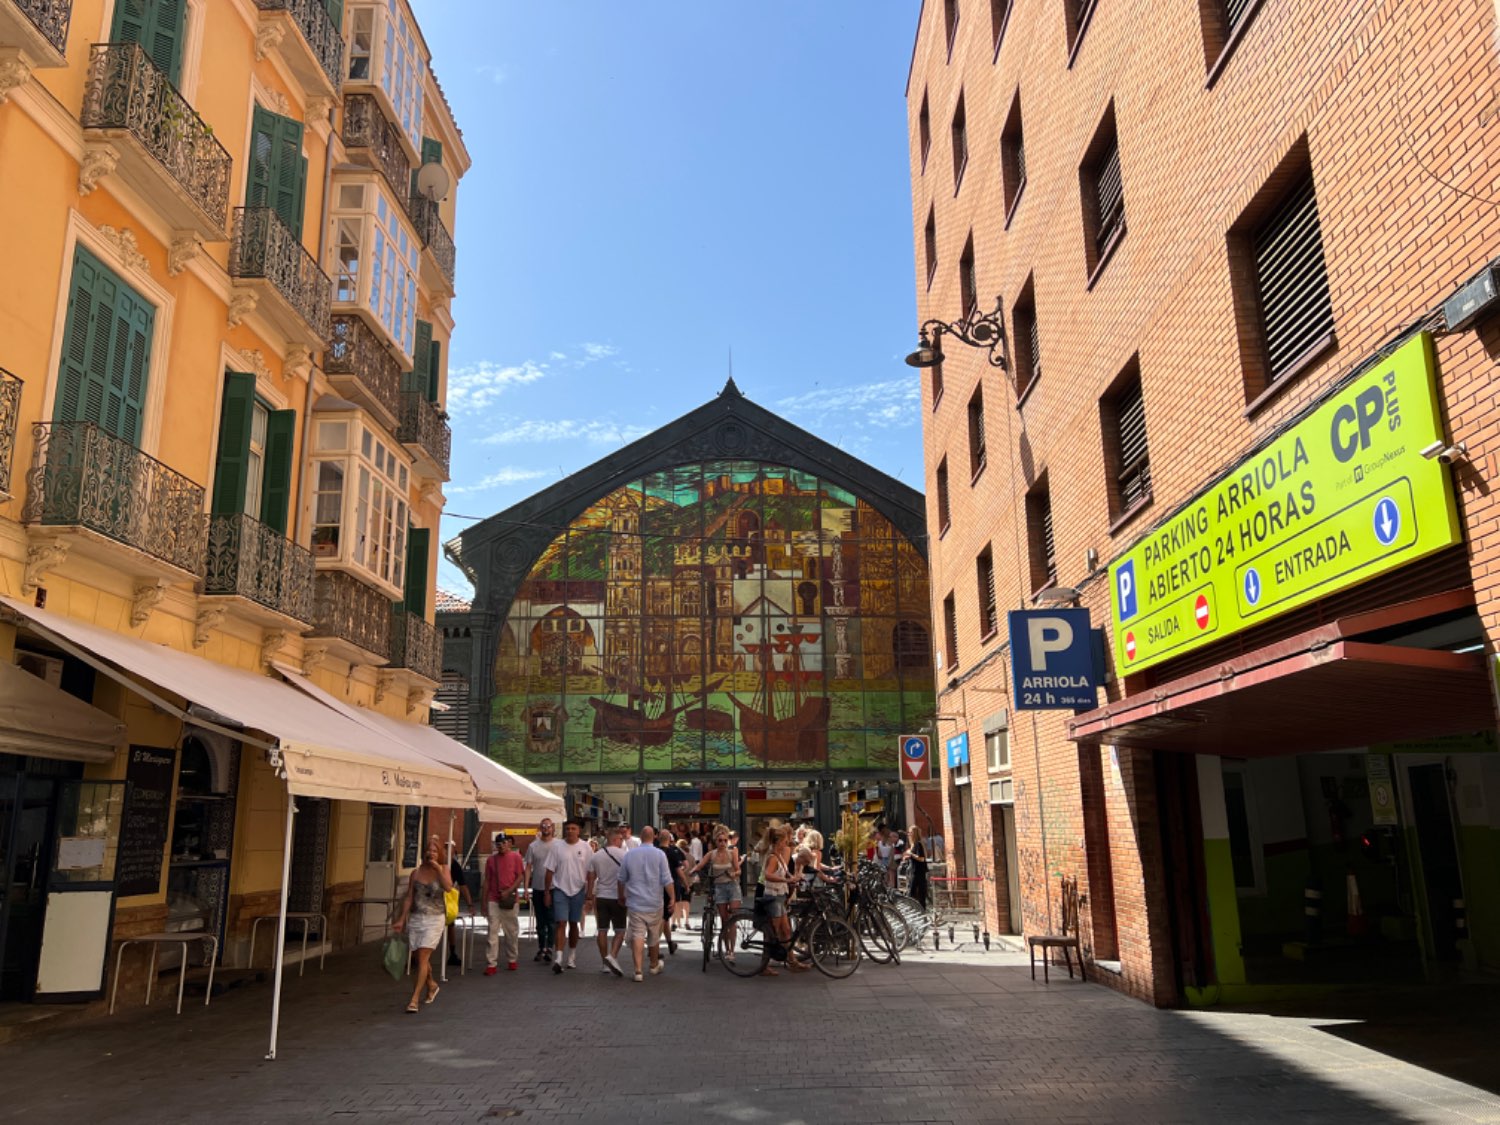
[{"x": 224, "y": 330}]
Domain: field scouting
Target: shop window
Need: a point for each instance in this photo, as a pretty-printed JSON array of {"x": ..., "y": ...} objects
[
  {"x": 1012, "y": 158},
  {"x": 377, "y": 260},
  {"x": 360, "y": 510},
  {"x": 1103, "y": 193},
  {"x": 1127, "y": 453}
]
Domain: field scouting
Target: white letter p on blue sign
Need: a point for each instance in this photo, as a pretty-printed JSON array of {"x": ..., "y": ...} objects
[{"x": 1047, "y": 635}]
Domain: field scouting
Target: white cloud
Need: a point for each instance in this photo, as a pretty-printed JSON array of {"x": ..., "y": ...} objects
[
  {"x": 883, "y": 405},
  {"x": 592, "y": 353},
  {"x": 598, "y": 431},
  {"x": 500, "y": 478},
  {"x": 557, "y": 355},
  {"x": 494, "y": 73},
  {"x": 476, "y": 385}
]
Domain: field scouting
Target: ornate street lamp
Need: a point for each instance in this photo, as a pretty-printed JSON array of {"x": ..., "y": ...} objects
[{"x": 987, "y": 332}]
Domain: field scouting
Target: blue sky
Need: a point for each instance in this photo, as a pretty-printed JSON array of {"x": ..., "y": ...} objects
[{"x": 656, "y": 183}]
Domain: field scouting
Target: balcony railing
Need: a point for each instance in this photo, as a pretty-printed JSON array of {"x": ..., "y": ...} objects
[
  {"x": 10, "y": 413},
  {"x": 348, "y": 610},
  {"x": 323, "y": 38},
  {"x": 51, "y": 18},
  {"x": 415, "y": 645},
  {"x": 425, "y": 426},
  {"x": 354, "y": 350},
  {"x": 265, "y": 248},
  {"x": 248, "y": 559},
  {"x": 434, "y": 235},
  {"x": 126, "y": 91},
  {"x": 82, "y": 476},
  {"x": 366, "y": 127}
]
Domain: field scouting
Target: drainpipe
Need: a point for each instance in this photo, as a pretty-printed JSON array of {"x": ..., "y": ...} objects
[{"x": 304, "y": 463}]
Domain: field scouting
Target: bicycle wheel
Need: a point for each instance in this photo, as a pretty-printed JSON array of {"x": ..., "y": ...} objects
[
  {"x": 749, "y": 952},
  {"x": 834, "y": 947},
  {"x": 900, "y": 931},
  {"x": 708, "y": 935},
  {"x": 875, "y": 936}
]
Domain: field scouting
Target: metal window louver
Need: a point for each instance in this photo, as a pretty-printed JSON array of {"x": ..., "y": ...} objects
[
  {"x": 976, "y": 433},
  {"x": 1296, "y": 308},
  {"x": 1049, "y": 549},
  {"x": 1111, "y": 196},
  {"x": 942, "y": 494},
  {"x": 1036, "y": 345},
  {"x": 950, "y": 631},
  {"x": 987, "y": 602},
  {"x": 1234, "y": 11},
  {"x": 1135, "y": 456}
]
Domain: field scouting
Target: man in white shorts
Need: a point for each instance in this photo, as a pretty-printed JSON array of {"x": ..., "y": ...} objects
[
  {"x": 566, "y": 888},
  {"x": 643, "y": 877},
  {"x": 604, "y": 896}
]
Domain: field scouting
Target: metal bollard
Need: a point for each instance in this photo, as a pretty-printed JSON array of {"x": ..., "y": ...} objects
[
  {"x": 976, "y": 931},
  {"x": 986, "y": 941},
  {"x": 951, "y": 938},
  {"x": 1312, "y": 909}
]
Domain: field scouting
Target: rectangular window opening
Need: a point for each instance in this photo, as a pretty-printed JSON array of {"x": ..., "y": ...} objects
[
  {"x": 1039, "y": 537},
  {"x": 984, "y": 568},
  {"x": 950, "y": 633},
  {"x": 942, "y": 496},
  {"x": 929, "y": 241},
  {"x": 968, "y": 280},
  {"x": 1127, "y": 453},
  {"x": 1012, "y": 157},
  {"x": 1028, "y": 340},
  {"x": 960, "y": 143},
  {"x": 1103, "y": 194},
  {"x": 977, "y": 456}
]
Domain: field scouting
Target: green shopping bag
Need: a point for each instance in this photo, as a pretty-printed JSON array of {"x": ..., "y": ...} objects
[{"x": 393, "y": 954}]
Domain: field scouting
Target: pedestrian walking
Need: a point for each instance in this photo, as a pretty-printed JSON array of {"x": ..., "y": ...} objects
[
  {"x": 567, "y": 881},
  {"x": 456, "y": 874},
  {"x": 777, "y": 876},
  {"x": 885, "y": 852},
  {"x": 536, "y": 878},
  {"x": 423, "y": 912},
  {"x": 604, "y": 894},
  {"x": 916, "y": 851},
  {"x": 723, "y": 869},
  {"x": 644, "y": 877},
  {"x": 631, "y": 840},
  {"x": 676, "y": 863},
  {"x": 503, "y": 874}
]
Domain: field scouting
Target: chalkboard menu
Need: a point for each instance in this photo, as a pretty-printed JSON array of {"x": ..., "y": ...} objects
[{"x": 148, "y": 816}]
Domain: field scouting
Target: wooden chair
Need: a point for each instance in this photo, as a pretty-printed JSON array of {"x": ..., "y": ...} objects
[{"x": 1067, "y": 940}]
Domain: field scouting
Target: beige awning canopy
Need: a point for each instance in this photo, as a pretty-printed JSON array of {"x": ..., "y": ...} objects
[
  {"x": 325, "y": 754},
  {"x": 42, "y": 721},
  {"x": 502, "y": 795}
]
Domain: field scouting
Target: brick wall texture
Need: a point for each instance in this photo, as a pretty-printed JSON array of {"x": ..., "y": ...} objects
[{"x": 1395, "y": 104}]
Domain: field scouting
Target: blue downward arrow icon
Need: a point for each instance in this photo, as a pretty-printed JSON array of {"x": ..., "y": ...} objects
[
  {"x": 1387, "y": 521},
  {"x": 1252, "y": 585}
]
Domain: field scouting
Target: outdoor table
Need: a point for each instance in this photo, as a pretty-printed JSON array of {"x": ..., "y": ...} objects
[
  {"x": 468, "y": 923},
  {"x": 184, "y": 938},
  {"x": 388, "y": 903},
  {"x": 303, "y": 916}
]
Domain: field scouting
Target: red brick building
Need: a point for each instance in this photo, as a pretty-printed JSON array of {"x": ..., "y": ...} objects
[{"x": 1223, "y": 236}]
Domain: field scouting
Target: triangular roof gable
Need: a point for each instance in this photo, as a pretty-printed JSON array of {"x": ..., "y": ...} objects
[{"x": 498, "y": 552}]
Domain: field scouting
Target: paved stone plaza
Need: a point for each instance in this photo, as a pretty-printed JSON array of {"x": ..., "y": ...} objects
[{"x": 949, "y": 1038}]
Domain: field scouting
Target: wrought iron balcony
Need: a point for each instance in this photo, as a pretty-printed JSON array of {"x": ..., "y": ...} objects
[
  {"x": 167, "y": 145},
  {"x": 264, "y": 249},
  {"x": 374, "y": 141},
  {"x": 362, "y": 368},
  {"x": 38, "y": 26},
  {"x": 248, "y": 559},
  {"x": 318, "y": 61},
  {"x": 347, "y": 610},
  {"x": 424, "y": 428},
  {"x": 83, "y": 477},
  {"x": 10, "y": 413},
  {"x": 436, "y": 241},
  {"x": 415, "y": 645}
]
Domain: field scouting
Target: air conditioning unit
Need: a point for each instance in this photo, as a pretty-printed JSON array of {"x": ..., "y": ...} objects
[{"x": 49, "y": 668}]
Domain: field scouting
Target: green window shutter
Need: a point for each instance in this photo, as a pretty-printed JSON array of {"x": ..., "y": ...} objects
[
  {"x": 278, "y": 170},
  {"x": 231, "y": 474},
  {"x": 129, "y": 366},
  {"x": 432, "y": 151},
  {"x": 335, "y": 10},
  {"x": 276, "y": 485},
  {"x": 84, "y": 374},
  {"x": 419, "y": 376},
  {"x": 434, "y": 368},
  {"x": 417, "y": 539},
  {"x": 157, "y": 25},
  {"x": 258, "y": 191}
]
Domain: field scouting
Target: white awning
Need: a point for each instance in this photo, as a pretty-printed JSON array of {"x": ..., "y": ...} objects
[
  {"x": 502, "y": 794},
  {"x": 324, "y": 753},
  {"x": 42, "y": 721}
]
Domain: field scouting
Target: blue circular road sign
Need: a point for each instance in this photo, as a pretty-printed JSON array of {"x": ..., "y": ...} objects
[
  {"x": 1387, "y": 521},
  {"x": 1254, "y": 587},
  {"x": 914, "y": 748}
]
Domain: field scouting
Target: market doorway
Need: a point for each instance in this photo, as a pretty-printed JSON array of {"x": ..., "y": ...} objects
[
  {"x": 1006, "y": 866},
  {"x": 1442, "y": 876},
  {"x": 380, "y": 870}
]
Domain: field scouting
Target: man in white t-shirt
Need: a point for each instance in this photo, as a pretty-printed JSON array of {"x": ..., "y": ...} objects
[
  {"x": 536, "y": 878},
  {"x": 630, "y": 841},
  {"x": 566, "y": 889},
  {"x": 604, "y": 895}
]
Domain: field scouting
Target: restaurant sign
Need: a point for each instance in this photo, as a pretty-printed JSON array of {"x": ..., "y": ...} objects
[{"x": 1342, "y": 496}]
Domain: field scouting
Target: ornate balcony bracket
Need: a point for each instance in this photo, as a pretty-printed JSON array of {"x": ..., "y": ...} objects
[
  {"x": 15, "y": 72},
  {"x": 271, "y": 642},
  {"x": 298, "y": 362},
  {"x": 148, "y": 596},
  {"x": 313, "y": 658},
  {"x": 385, "y": 683},
  {"x": 267, "y": 38},
  {"x": 41, "y": 560},
  {"x": 209, "y": 619},
  {"x": 186, "y": 245},
  {"x": 241, "y": 304},
  {"x": 417, "y": 699},
  {"x": 99, "y": 160},
  {"x": 124, "y": 242}
]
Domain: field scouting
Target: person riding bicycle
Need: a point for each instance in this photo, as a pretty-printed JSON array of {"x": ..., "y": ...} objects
[{"x": 723, "y": 864}]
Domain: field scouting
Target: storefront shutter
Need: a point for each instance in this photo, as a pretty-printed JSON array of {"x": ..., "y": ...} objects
[
  {"x": 231, "y": 473},
  {"x": 158, "y": 26},
  {"x": 276, "y": 487},
  {"x": 417, "y": 539}
]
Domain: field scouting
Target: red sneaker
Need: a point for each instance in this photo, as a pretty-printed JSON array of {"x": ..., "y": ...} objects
[
  {"x": 511, "y": 967},
  {"x": 491, "y": 971}
]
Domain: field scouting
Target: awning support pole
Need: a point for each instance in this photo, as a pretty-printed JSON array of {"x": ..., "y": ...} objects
[{"x": 286, "y": 878}]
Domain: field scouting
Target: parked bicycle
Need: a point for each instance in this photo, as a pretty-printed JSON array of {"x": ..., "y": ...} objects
[{"x": 819, "y": 932}]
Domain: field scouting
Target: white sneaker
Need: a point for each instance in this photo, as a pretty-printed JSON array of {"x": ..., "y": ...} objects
[
  {"x": 657, "y": 970},
  {"x": 639, "y": 978},
  {"x": 613, "y": 966}
]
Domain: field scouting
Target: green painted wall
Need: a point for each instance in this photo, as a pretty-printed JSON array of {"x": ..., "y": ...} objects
[{"x": 1223, "y": 912}]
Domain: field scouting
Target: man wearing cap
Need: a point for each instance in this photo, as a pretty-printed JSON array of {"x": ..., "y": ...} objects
[{"x": 503, "y": 873}]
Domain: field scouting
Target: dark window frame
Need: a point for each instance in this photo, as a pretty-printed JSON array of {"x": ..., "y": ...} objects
[
  {"x": 924, "y": 130},
  {"x": 958, "y": 131},
  {"x": 1223, "y": 32},
  {"x": 1000, "y": 11},
  {"x": 984, "y": 575},
  {"x": 1101, "y": 191},
  {"x": 950, "y": 24},
  {"x": 968, "y": 280},
  {"x": 936, "y": 371},
  {"x": 929, "y": 240},
  {"x": 950, "y": 632},
  {"x": 978, "y": 446},
  {"x": 1027, "y": 341},
  {"x": 1125, "y": 436},
  {"x": 944, "y": 505},
  {"x": 1041, "y": 541},
  {"x": 1077, "y": 15},
  {"x": 1013, "y": 158}
]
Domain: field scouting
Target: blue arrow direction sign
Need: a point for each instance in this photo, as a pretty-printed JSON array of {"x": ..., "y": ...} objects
[
  {"x": 914, "y": 746},
  {"x": 1387, "y": 521},
  {"x": 1253, "y": 586}
]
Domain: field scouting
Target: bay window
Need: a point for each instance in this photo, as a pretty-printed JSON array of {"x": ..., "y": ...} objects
[
  {"x": 384, "y": 50},
  {"x": 377, "y": 260},
  {"x": 360, "y": 513}
]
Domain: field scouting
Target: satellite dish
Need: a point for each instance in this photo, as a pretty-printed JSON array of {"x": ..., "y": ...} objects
[{"x": 433, "y": 182}]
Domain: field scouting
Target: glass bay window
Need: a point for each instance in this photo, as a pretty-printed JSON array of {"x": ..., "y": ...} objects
[
  {"x": 378, "y": 260},
  {"x": 360, "y": 512},
  {"x": 385, "y": 52}
]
